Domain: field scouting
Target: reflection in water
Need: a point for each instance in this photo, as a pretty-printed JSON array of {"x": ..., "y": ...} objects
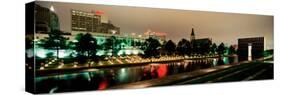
[
  {"x": 104, "y": 78},
  {"x": 103, "y": 84},
  {"x": 162, "y": 70}
]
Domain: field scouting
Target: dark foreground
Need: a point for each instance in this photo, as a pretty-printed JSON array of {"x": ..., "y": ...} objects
[
  {"x": 210, "y": 70},
  {"x": 245, "y": 72},
  {"x": 226, "y": 73}
]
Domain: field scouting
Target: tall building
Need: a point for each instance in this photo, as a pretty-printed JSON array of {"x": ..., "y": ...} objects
[
  {"x": 91, "y": 22},
  {"x": 84, "y": 21},
  {"x": 46, "y": 20},
  {"x": 250, "y": 48}
]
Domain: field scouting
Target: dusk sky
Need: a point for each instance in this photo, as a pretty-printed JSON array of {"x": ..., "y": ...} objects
[{"x": 220, "y": 27}]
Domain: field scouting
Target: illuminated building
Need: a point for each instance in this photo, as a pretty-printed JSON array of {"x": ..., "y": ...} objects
[
  {"x": 46, "y": 20},
  {"x": 98, "y": 26},
  {"x": 91, "y": 22},
  {"x": 84, "y": 21}
]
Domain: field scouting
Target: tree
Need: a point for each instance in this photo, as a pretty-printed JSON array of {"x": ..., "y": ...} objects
[
  {"x": 151, "y": 48},
  {"x": 55, "y": 41},
  {"x": 71, "y": 45},
  {"x": 181, "y": 47},
  {"x": 50, "y": 55},
  {"x": 187, "y": 48},
  {"x": 170, "y": 47},
  {"x": 214, "y": 48},
  {"x": 221, "y": 49},
  {"x": 195, "y": 47},
  {"x": 139, "y": 43},
  {"x": 205, "y": 47},
  {"x": 110, "y": 44},
  {"x": 86, "y": 45},
  {"x": 162, "y": 48},
  {"x": 29, "y": 43},
  {"x": 184, "y": 47},
  {"x": 117, "y": 46},
  {"x": 231, "y": 50}
]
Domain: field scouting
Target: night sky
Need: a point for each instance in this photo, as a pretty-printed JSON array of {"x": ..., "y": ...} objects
[{"x": 220, "y": 27}]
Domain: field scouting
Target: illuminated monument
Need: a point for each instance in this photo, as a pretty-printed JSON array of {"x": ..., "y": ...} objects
[{"x": 250, "y": 48}]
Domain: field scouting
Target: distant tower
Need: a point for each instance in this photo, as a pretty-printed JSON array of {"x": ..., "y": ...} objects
[{"x": 192, "y": 37}]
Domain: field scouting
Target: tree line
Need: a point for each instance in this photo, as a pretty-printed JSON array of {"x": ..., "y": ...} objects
[
  {"x": 86, "y": 46},
  {"x": 184, "y": 47}
]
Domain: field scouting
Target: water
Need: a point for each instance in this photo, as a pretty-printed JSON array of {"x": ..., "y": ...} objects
[{"x": 100, "y": 79}]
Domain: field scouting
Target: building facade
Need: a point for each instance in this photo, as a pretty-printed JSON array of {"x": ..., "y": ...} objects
[
  {"x": 81, "y": 23},
  {"x": 46, "y": 20},
  {"x": 84, "y": 21},
  {"x": 91, "y": 22},
  {"x": 200, "y": 46}
]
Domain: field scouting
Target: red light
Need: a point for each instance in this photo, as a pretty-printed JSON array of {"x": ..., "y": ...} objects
[
  {"x": 160, "y": 33},
  {"x": 162, "y": 70},
  {"x": 103, "y": 85},
  {"x": 155, "y": 33},
  {"x": 99, "y": 12}
]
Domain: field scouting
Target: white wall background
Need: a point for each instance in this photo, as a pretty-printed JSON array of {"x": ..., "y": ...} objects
[{"x": 12, "y": 47}]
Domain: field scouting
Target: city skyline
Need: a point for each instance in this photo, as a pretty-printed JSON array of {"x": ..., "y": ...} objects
[
  {"x": 177, "y": 24},
  {"x": 85, "y": 47}
]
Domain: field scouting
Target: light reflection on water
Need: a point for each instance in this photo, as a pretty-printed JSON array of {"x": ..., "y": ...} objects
[{"x": 104, "y": 78}]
